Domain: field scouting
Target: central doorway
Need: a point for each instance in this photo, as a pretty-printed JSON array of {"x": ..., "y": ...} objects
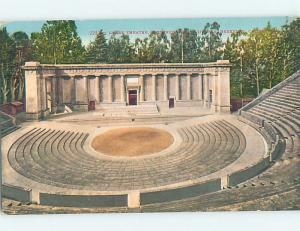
[{"x": 132, "y": 97}]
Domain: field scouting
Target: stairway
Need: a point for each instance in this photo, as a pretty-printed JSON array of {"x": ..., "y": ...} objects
[
  {"x": 7, "y": 124},
  {"x": 130, "y": 111}
]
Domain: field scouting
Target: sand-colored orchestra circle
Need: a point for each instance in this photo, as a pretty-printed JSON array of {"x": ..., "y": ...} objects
[{"x": 132, "y": 141}]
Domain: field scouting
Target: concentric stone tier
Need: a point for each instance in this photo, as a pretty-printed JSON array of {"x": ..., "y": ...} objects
[{"x": 59, "y": 158}]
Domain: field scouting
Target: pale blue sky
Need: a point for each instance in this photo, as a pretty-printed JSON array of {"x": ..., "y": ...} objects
[{"x": 87, "y": 27}]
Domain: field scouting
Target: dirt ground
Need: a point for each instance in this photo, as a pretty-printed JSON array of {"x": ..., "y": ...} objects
[{"x": 132, "y": 141}]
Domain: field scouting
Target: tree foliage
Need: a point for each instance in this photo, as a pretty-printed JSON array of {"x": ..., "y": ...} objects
[
  {"x": 97, "y": 51},
  {"x": 121, "y": 50},
  {"x": 260, "y": 58},
  {"x": 210, "y": 46},
  {"x": 184, "y": 46},
  {"x": 7, "y": 63},
  {"x": 58, "y": 42},
  {"x": 153, "y": 49}
]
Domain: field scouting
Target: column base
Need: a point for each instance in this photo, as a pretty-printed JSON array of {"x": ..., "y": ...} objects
[
  {"x": 33, "y": 115},
  {"x": 221, "y": 109},
  {"x": 80, "y": 107},
  {"x": 45, "y": 113},
  {"x": 225, "y": 109},
  {"x": 53, "y": 109}
]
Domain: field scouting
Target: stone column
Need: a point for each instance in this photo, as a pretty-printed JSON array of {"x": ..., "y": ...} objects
[
  {"x": 88, "y": 88},
  {"x": 165, "y": 87},
  {"x": 200, "y": 87},
  {"x": 59, "y": 94},
  {"x": 214, "y": 88},
  {"x": 109, "y": 89},
  {"x": 73, "y": 91},
  {"x": 53, "y": 95},
  {"x": 97, "y": 91},
  {"x": 188, "y": 87},
  {"x": 100, "y": 93},
  {"x": 224, "y": 89},
  {"x": 122, "y": 89},
  {"x": 153, "y": 87},
  {"x": 177, "y": 90},
  {"x": 205, "y": 90},
  {"x": 32, "y": 83},
  {"x": 142, "y": 91},
  {"x": 60, "y": 91},
  {"x": 43, "y": 97}
]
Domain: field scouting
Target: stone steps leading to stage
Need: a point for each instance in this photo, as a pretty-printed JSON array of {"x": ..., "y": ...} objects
[
  {"x": 7, "y": 125},
  {"x": 139, "y": 110}
]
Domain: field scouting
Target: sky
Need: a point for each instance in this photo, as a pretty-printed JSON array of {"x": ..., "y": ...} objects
[{"x": 140, "y": 27}]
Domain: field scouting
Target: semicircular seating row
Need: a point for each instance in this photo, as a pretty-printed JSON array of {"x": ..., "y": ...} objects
[
  {"x": 276, "y": 188},
  {"x": 58, "y": 158}
]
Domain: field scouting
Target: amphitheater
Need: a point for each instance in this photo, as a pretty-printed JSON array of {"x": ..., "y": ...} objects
[{"x": 181, "y": 160}]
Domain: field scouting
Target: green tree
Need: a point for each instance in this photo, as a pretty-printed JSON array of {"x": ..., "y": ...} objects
[
  {"x": 290, "y": 42},
  {"x": 254, "y": 59},
  {"x": 184, "y": 46},
  {"x": 271, "y": 39},
  {"x": 153, "y": 49},
  {"x": 234, "y": 52},
  {"x": 23, "y": 54},
  {"x": 58, "y": 42},
  {"x": 7, "y": 62},
  {"x": 97, "y": 51},
  {"x": 210, "y": 43},
  {"x": 120, "y": 49}
]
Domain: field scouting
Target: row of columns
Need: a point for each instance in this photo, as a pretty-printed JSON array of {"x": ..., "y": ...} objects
[
  {"x": 177, "y": 87},
  {"x": 57, "y": 88},
  {"x": 109, "y": 91},
  {"x": 214, "y": 87}
]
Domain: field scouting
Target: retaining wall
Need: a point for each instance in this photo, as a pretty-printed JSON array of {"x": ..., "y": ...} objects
[
  {"x": 83, "y": 201},
  {"x": 247, "y": 173},
  {"x": 180, "y": 193},
  {"x": 16, "y": 193}
]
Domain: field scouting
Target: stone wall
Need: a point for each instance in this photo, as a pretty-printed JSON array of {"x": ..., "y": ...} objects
[
  {"x": 83, "y": 201},
  {"x": 16, "y": 193},
  {"x": 171, "y": 86},
  {"x": 94, "y": 89},
  {"x": 180, "y": 193},
  {"x": 245, "y": 174},
  {"x": 183, "y": 87},
  {"x": 195, "y": 88},
  {"x": 116, "y": 89},
  {"x": 159, "y": 88},
  {"x": 103, "y": 88},
  {"x": 68, "y": 86},
  {"x": 148, "y": 88}
]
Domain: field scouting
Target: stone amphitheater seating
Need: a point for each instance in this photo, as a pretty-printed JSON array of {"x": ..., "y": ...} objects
[
  {"x": 58, "y": 158},
  {"x": 277, "y": 116}
]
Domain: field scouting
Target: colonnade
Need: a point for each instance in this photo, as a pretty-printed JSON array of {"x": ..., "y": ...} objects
[{"x": 49, "y": 87}]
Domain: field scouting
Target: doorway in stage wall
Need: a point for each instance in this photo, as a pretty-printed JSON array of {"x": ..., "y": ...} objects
[
  {"x": 132, "y": 97},
  {"x": 171, "y": 102}
]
